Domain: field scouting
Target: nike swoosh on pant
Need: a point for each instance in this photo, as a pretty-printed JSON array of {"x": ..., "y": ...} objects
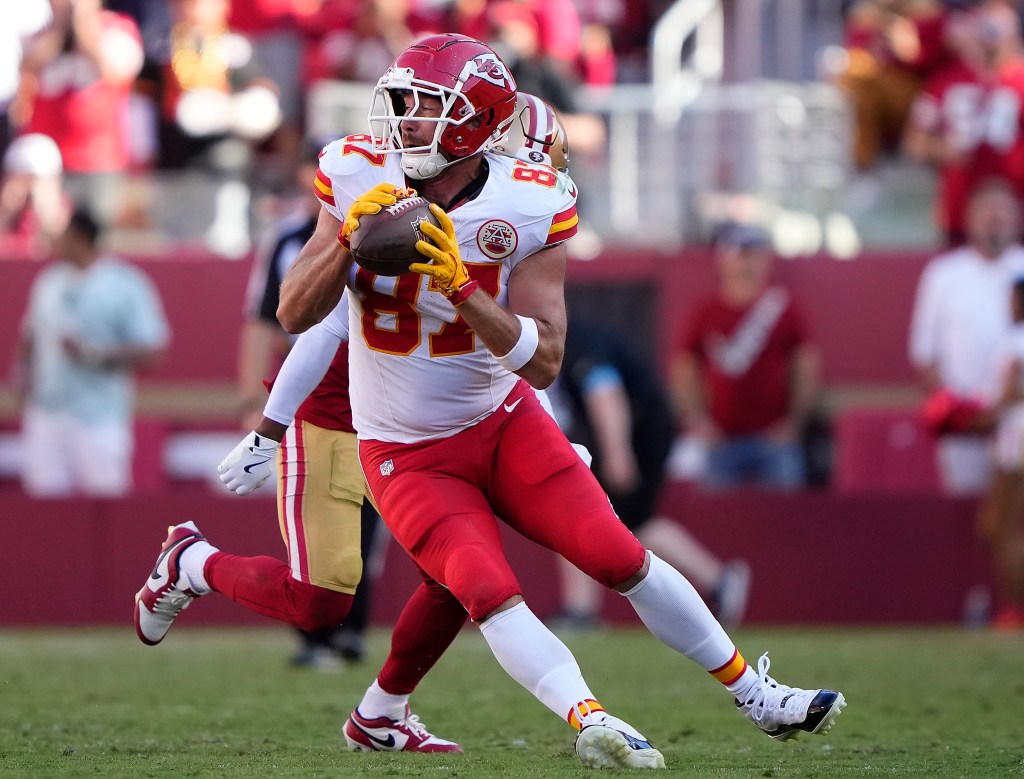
[{"x": 510, "y": 407}]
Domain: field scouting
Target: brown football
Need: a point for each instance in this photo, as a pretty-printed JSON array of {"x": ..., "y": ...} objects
[{"x": 385, "y": 242}]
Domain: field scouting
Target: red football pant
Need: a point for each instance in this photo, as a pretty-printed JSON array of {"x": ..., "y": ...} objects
[
  {"x": 266, "y": 586},
  {"x": 441, "y": 498},
  {"x": 426, "y": 627}
]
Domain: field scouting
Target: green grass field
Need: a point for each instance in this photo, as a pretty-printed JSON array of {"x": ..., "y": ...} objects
[{"x": 223, "y": 703}]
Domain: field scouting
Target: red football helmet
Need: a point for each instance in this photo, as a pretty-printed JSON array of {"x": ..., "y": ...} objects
[
  {"x": 536, "y": 134},
  {"x": 477, "y": 94}
]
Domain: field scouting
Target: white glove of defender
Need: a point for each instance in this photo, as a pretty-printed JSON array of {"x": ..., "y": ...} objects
[{"x": 249, "y": 464}]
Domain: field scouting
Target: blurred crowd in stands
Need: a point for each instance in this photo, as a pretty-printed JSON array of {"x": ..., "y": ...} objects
[
  {"x": 213, "y": 96},
  {"x": 942, "y": 81},
  {"x": 97, "y": 95},
  {"x": 216, "y": 91}
]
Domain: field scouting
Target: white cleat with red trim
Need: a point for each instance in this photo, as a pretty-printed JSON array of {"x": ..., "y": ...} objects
[
  {"x": 388, "y": 735},
  {"x": 167, "y": 590}
]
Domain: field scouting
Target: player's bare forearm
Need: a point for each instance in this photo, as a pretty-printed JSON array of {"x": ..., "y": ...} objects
[
  {"x": 268, "y": 428},
  {"x": 500, "y": 330},
  {"x": 316, "y": 280},
  {"x": 536, "y": 289}
]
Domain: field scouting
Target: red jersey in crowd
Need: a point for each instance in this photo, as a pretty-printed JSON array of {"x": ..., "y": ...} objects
[
  {"x": 746, "y": 354},
  {"x": 981, "y": 117},
  {"x": 85, "y": 113}
]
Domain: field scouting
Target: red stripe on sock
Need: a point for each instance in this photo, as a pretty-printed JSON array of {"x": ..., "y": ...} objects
[{"x": 722, "y": 667}]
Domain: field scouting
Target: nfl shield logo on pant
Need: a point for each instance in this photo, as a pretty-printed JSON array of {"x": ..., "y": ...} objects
[{"x": 387, "y": 468}]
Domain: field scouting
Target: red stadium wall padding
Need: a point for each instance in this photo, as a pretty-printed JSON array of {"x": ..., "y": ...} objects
[
  {"x": 816, "y": 557},
  {"x": 884, "y": 449},
  {"x": 858, "y": 310}
]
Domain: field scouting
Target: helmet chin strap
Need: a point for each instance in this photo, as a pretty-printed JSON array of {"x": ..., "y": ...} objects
[{"x": 424, "y": 166}]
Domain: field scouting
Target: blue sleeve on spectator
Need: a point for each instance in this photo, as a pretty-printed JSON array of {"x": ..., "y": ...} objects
[{"x": 601, "y": 377}]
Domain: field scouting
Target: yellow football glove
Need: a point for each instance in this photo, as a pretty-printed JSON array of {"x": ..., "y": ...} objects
[
  {"x": 370, "y": 203},
  {"x": 445, "y": 264}
]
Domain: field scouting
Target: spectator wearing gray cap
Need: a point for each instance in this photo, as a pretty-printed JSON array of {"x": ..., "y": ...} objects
[{"x": 745, "y": 374}]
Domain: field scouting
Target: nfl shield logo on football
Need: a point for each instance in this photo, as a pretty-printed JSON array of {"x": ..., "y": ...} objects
[
  {"x": 497, "y": 239},
  {"x": 387, "y": 467}
]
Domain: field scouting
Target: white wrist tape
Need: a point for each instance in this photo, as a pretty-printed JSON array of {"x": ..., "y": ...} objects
[{"x": 525, "y": 347}]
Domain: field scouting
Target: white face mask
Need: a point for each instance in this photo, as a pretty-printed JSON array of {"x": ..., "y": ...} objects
[{"x": 427, "y": 160}]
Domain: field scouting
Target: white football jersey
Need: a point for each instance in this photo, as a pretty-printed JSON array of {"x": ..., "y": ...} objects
[{"x": 417, "y": 371}]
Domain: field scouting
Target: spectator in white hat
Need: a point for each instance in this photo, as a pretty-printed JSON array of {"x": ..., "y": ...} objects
[{"x": 34, "y": 208}]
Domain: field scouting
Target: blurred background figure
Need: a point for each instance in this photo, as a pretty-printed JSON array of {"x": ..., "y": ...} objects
[
  {"x": 967, "y": 120},
  {"x": 325, "y": 419},
  {"x": 275, "y": 29},
  {"x": 92, "y": 321},
  {"x": 1002, "y": 513},
  {"x": 960, "y": 316},
  {"x": 76, "y": 83},
  {"x": 516, "y": 35},
  {"x": 890, "y": 46},
  {"x": 609, "y": 398},
  {"x": 745, "y": 374},
  {"x": 264, "y": 343},
  {"x": 34, "y": 208},
  {"x": 18, "y": 22},
  {"x": 361, "y": 40},
  {"x": 215, "y": 105}
]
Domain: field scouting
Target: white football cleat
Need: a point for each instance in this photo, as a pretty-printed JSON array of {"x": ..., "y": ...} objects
[
  {"x": 167, "y": 590},
  {"x": 612, "y": 743},
  {"x": 785, "y": 712},
  {"x": 388, "y": 735}
]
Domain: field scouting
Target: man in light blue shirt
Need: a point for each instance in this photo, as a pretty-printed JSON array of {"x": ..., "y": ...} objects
[{"x": 91, "y": 321}]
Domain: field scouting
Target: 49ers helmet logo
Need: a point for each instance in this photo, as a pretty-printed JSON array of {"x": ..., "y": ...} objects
[
  {"x": 497, "y": 239},
  {"x": 489, "y": 68}
]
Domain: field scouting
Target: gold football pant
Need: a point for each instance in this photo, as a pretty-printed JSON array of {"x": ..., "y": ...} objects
[{"x": 320, "y": 496}]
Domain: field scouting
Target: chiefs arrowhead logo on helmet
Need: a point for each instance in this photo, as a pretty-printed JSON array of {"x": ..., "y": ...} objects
[{"x": 489, "y": 68}]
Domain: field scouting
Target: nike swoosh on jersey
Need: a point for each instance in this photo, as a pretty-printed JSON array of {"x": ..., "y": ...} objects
[{"x": 510, "y": 407}]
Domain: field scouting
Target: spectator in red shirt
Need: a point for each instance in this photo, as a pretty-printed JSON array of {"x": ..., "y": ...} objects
[
  {"x": 969, "y": 116},
  {"x": 745, "y": 374},
  {"x": 76, "y": 81}
]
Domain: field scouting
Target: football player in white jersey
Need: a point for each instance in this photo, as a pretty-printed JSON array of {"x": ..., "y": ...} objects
[
  {"x": 316, "y": 466},
  {"x": 443, "y": 358}
]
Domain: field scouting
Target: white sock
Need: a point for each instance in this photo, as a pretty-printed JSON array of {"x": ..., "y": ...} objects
[
  {"x": 533, "y": 656},
  {"x": 191, "y": 563},
  {"x": 673, "y": 611},
  {"x": 741, "y": 686},
  {"x": 377, "y": 702}
]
